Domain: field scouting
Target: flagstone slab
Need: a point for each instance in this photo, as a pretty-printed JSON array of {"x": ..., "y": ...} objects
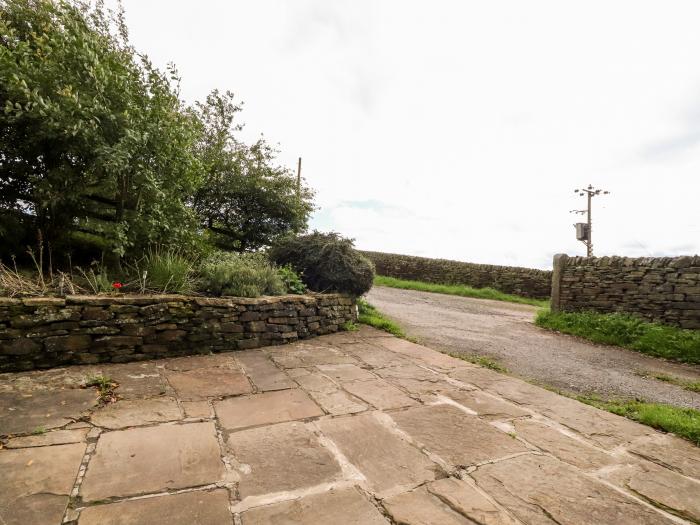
[
  {"x": 194, "y": 362},
  {"x": 669, "y": 451},
  {"x": 37, "y": 482},
  {"x": 346, "y": 372},
  {"x": 667, "y": 489},
  {"x": 197, "y": 409},
  {"x": 262, "y": 371},
  {"x": 326, "y": 392},
  {"x": 447, "y": 502},
  {"x": 422, "y": 354},
  {"x": 458, "y": 438},
  {"x": 137, "y": 380},
  {"x": 389, "y": 463},
  {"x": 380, "y": 394},
  {"x": 43, "y": 410},
  {"x": 54, "y": 437},
  {"x": 542, "y": 490},
  {"x": 572, "y": 451},
  {"x": 337, "y": 507},
  {"x": 153, "y": 459},
  {"x": 202, "y": 383},
  {"x": 486, "y": 406},
  {"x": 265, "y": 409},
  {"x": 303, "y": 356},
  {"x": 135, "y": 412},
  {"x": 188, "y": 508},
  {"x": 282, "y": 457},
  {"x": 374, "y": 355}
]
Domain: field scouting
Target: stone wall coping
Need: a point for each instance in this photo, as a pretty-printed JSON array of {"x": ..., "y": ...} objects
[{"x": 141, "y": 300}]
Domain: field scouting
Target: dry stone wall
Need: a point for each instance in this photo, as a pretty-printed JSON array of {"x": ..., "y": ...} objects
[
  {"x": 527, "y": 282},
  {"x": 48, "y": 332},
  {"x": 663, "y": 289}
]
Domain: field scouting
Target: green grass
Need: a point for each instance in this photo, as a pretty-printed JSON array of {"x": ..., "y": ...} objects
[
  {"x": 457, "y": 289},
  {"x": 684, "y": 422},
  {"x": 627, "y": 331},
  {"x": 691, "y": 386},
  {"x": 481, "y": 360},
  {"x": 371, "y": 316}
]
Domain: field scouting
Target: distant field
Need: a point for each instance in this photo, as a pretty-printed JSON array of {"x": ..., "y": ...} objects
[{"x": 457, "y": 289}]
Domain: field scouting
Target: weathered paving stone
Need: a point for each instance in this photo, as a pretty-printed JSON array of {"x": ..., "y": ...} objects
[
  {"x": 346, "y": 372},
  {"x": 543, "y": 490},
  {"x": 486, "y": 406},
  {"x": 447, "y": 502},
  {"x": 302, "y": 356},
  {"x": 197, "y": 409},
  {"x": 135, "y": 412},
  {"x": 43, "y": 410},
  {"x": 373, "y": 355},
  {"x": 458, "y": 438},
  {"x": 326, "y": 393},
  {"x": 421, "y": 354},
  {"x": 202, "y": 383},
  {"x": 265, "y": 409},
  {"x": 264, "y": 374},
  {"x": 199, "y": 507},
  {"x": 36, "y": 483},
  {"x": 669, "y": 451},
  {"x": 184, "y": 364},
  {"x": 55, "y": 437},
  {"x": 379, "y": 394},
  {"x": 568, "y": 449},
  {"x": 665, "y": 488},
  {"x": 136, "y": 380},
  {"x": 153, "y": 459},
  {"x": 339, "y": 507},
  {"x": 414, "y": 379},
  {"x": 280, "y": 457},
  {"x": 389, "y": 463}
]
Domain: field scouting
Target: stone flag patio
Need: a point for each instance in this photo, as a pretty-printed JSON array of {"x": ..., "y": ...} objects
[{"x": 353, "y": 428}]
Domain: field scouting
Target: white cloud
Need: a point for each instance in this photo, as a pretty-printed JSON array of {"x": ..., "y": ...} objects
[{"x": 469, "y": 122}]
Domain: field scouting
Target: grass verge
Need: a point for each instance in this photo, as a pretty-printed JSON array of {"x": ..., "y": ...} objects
[
  {"x": 627, "y": 331},
  {"x": 684, "y": 422},
  {"x": 369, "y": 315},
  {"x": 691, "y": 386},
  {"x": 457, "y": 289},
  {"x": 481, "y": 360}
]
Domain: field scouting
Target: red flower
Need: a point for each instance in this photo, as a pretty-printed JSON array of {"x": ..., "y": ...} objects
[{"x": 117, "y": 285}]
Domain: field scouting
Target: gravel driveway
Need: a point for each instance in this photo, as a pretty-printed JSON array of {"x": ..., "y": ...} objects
[{"x": 505, "y": 332}]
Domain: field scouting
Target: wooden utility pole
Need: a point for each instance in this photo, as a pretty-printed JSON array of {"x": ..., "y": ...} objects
[
  {"x": 299, "y": 179},
  {"x": 589, "y": 192}
]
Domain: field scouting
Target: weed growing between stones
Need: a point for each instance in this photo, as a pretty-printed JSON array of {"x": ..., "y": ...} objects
[{"x": 105, "y": 387}]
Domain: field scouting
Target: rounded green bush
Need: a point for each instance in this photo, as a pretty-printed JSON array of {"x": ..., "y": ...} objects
[{"x": 327, "y": 262}]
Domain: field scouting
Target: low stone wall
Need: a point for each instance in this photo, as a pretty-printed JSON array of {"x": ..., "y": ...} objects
[
  {"x": 47, "y": 332},
  {"x": 527, "y": 282},
  {"x": 663, "y": 289}
]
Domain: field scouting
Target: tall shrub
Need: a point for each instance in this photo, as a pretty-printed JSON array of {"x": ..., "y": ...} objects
[{"x": 327, "y": 262}]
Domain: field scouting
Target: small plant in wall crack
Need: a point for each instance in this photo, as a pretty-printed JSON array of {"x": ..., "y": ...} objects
[{"x": 105, "y": 387}]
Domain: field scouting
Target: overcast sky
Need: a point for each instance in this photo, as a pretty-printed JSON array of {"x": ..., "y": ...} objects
[{"x": 459, "y": 129}]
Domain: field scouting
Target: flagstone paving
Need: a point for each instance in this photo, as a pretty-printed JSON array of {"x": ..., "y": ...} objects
[{"x": 355, "y": 428}]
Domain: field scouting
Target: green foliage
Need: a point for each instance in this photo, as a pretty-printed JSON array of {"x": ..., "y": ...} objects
[
  {"x": 97, "y": 278},
  {"x": 167, "y": 270},
  {"x": 349, "y": 326},
  {"x": 327, "y": 262},
  {"x": 456, "y": 289},
  {"x": 292, "y": 280},
  {"x": 240, "y": 275},
  {"x": 105, "y": 387},
  {"x": 627, "y": 331},
  {"x": 691, "y": 386},
  {"x": 684, "y": 422},
  {"x": 98, "y": 150},
  {"x": 481, "y": 360},
  {"x": 245, "y": 201},
  {"x": 369, "y": 315}
]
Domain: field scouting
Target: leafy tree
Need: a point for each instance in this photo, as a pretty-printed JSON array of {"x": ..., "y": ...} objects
[
  {"x": 96, "y": 148},
  {"x": 246, "y": 200}
]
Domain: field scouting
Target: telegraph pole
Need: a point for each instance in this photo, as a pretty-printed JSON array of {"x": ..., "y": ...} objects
[{"x": 584, "y": 231}]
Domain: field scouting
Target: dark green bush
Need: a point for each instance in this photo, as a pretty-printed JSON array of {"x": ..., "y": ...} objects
[
  {"x": 240, "y": 275},
  {"x": 327, "y": 262}
]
